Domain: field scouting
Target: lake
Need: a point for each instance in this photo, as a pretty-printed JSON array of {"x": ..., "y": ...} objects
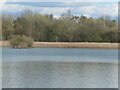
[{"x": 59, "y": 68}]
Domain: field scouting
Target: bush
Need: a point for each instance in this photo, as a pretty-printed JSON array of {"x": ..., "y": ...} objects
[{"x": 21, "y": 41}]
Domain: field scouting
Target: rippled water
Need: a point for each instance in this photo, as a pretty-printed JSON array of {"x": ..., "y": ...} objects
[
  {"x": 60, "y": 68},
  {"x": 60, "y": 54}
]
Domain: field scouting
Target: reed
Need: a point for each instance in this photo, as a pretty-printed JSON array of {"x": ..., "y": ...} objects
[{"x": 67, "y": 45}]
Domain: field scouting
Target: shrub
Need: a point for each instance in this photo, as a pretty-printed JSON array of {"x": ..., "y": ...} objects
[{"x": 21, "y": 41}]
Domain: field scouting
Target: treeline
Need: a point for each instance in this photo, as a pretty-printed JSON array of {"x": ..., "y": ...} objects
[{"x": 67, "y": 28}]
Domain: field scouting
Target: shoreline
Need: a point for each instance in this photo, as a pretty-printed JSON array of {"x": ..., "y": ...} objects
[
  {"x": 62, "y": 62},
  {"x": 67, "y": 45}
]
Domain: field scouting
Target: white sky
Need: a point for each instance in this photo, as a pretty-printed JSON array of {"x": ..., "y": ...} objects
[{"x": 90, "y": 10}]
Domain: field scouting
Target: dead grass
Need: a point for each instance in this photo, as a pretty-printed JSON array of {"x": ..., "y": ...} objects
[
  {"x": 75, "y": 45},
  {"x": 67, "y": 45}
]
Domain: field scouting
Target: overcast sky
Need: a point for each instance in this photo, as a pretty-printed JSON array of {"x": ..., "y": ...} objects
[{"x": 57, "y": 7}]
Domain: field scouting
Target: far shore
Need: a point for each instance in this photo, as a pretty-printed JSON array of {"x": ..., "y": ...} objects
[{"x": 67, "y": 45}]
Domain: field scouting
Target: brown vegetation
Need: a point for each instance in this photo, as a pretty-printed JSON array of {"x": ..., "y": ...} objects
[{"x": 67, "y": 45}]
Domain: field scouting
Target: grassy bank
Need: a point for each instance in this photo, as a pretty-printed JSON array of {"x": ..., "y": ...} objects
[{"x": 67, "y": 45}]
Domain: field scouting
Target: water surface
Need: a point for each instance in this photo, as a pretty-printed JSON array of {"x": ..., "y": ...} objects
[
  {"x": 60, "y": 68},
  {"x": 60, "y": 54}
]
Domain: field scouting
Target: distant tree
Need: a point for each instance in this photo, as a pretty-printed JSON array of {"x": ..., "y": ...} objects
[
  {"x": 0, "y": 27},
  {"x": 110, "y": 36},
  {"x": 7, "y": 27},
  {"x": 67, "y": 28}
]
